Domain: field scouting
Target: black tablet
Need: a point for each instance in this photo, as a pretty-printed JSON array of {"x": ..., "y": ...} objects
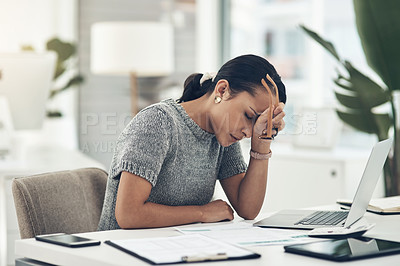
[
  {"x": 346, "y": 249},
  {"x": 67, "y": 240}
]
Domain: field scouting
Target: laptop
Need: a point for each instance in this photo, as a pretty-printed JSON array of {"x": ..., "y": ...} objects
[{"x": 311, "y": 219}]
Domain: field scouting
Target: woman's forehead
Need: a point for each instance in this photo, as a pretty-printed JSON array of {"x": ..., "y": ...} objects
[{"x": 259, "y": 101}]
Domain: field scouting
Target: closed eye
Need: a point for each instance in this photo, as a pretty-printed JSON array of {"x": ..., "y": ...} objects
[{"x": 248, "y": 117}]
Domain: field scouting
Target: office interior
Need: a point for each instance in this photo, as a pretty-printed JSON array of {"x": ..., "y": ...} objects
[{"x": 317, "y": 158}]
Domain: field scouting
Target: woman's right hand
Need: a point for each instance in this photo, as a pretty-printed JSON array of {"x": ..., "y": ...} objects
[{"x": 216, "y": 211}]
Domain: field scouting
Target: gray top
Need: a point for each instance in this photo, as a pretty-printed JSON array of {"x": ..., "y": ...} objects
[{"x": 182, "y": 162}]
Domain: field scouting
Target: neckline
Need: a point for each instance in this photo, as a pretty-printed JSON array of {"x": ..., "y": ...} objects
[{"x": 192, "y": 125}]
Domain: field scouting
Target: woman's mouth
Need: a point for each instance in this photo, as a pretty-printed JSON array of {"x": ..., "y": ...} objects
[{"x": 234, "y": 138}]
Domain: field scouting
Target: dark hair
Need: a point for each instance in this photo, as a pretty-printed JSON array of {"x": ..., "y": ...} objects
[{"x": 244, "y": 73}]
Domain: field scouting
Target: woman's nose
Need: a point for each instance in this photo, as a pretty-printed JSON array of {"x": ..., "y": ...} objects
[{"x": 247, "y": 131}]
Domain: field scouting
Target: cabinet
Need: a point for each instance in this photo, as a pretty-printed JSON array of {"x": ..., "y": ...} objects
[
  {"x": 302, "y": 178},
  {"x": 40, "y": 159}
]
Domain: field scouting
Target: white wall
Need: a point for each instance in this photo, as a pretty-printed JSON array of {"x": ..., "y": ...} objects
[
  {"x": 26, "y": 22},
  {"x": 33, "y": 23}
]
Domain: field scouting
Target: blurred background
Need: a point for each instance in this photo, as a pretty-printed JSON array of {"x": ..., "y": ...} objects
[{"x": 93, "y": 64}]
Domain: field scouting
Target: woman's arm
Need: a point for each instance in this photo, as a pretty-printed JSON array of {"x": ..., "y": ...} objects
[
  {"x": 246, "y": 191},
  {"x": 132, "y": 210}
]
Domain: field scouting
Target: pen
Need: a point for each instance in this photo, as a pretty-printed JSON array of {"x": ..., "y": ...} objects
[
  {"x": 217, "y": 256},
  {"x": 271, "y": 105}
]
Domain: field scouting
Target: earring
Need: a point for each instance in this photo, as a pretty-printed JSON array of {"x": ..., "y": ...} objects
[{"x": 217, "y": 99}]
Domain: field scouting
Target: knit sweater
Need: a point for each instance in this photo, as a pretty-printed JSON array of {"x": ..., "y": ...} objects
[{"x": 182, "y": 162}]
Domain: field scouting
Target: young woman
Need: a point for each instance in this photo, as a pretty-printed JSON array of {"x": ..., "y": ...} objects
[{"x": 170, "y": 155}]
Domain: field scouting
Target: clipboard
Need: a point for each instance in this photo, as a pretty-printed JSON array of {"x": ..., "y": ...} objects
[{"x": 181, "y": 249}]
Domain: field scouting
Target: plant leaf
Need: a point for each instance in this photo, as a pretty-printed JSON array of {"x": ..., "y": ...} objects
[
  {"x": 78, "y": 79},
  {"x": 379, "y": 124},
  {"x": 378, "y": 26},
  {"x": 384, "y": 122},
  {"x": 364, "y": 95},
  {"x": 64, "y": 50},
  {"x": 326, "y": 44},
  {"x": 348, "y": 86},
  {"x": 27, "y": 48},
  {"x": 349, "y": 101},
  {"x": 60, "y": 69},
  {"x": 369, "y": 92},
  {"x": 358, "y": 121}
]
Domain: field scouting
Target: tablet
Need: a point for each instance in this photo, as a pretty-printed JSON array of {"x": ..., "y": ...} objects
[
  {"x": 67, "y": 240},
  {"x": 346, "y": 249}
]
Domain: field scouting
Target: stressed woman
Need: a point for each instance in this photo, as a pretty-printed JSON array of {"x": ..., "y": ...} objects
[{"x": 170, "y": 155}]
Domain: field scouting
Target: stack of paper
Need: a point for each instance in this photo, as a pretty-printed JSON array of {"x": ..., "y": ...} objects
[
  {"x": 389, "y": 205},
  {"x": 185, "y": 248},
  {"x": 245, "y": 234}
]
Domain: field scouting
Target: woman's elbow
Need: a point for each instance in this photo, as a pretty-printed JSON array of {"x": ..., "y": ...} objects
[
  {"x": 123, "y": 222},
  {"x": 125, "y": 219},
  {"x": 248, "y": 214}
]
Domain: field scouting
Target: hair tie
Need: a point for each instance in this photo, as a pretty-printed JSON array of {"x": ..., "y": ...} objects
[{"x": 207, "y": 76}]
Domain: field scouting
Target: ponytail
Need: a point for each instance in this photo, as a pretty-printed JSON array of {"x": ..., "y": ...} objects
[{"x": 193, "y": 89}]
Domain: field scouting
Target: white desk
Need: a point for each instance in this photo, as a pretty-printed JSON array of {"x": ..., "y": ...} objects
[
  {"x": 387, "y": 228},
  {"x": 39, "y": 159}
]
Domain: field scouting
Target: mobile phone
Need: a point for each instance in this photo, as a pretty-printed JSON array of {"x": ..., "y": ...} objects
[{"x": 67, "y": 240}]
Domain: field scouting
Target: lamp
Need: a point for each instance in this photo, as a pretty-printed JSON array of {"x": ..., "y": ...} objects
[{"x": 138, "y": 49}]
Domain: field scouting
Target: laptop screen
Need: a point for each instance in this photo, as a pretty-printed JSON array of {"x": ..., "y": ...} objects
[{"x": 368, "y": 181}]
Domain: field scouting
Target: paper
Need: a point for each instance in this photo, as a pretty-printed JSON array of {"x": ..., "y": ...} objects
[
  {"x": 245, "y": 234},
  {"x": 174, "y": 249},
  {"x": 380, "y": 205},
  {"x": 389, "y": 203}
]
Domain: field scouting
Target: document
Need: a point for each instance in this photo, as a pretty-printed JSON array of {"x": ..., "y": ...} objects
[
  {"x": 185, "y": 248},
  {"x": 245, "y": 234},
  {"x": 388, "y": 205}
]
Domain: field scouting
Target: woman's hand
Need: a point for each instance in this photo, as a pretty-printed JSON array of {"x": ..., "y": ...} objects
[
  {"x": 216, "y": 211},
  {"x": 260, "y": 126}
]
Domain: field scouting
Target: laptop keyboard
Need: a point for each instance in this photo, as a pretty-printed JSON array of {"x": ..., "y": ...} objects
[{"x": 324, "y": 218}]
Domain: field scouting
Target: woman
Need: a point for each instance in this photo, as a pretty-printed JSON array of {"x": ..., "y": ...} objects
[{"x": 170, "y": 155}]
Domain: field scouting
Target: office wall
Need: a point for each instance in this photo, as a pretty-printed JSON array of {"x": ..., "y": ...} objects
[
  {"x": 104, "y": 100},
  {"x": 26, "y": 22}
]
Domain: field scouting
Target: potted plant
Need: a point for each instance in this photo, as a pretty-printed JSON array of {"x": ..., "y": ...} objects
[{"x": 378, "y": 26}]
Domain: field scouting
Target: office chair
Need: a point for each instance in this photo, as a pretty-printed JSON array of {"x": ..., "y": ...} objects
[{"x": 59, "y": 202}]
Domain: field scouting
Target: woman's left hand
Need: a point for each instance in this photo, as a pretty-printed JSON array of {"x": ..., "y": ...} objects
[{"x": 260, "y": 126}]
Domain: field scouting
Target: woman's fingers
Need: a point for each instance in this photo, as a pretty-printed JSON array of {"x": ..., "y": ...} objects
[
  {"x": 279, "y": 108},
  {"x": 278, "y": 123}
]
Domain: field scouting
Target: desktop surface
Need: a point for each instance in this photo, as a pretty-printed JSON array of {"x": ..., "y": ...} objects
[{"x": 386, "y": 228}]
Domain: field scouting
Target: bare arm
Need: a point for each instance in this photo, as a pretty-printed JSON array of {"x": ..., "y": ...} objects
[
  {"x": 132, "y": 210},
  {"x": 246, "y": 191}
]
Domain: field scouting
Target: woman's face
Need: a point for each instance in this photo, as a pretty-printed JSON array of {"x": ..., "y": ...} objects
[{"x": 233, "y": 118}]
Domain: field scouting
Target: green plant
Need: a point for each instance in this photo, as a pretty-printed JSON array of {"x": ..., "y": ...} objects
[
  {"x": 63, "y": 76},
  {"x": 379, "y": 30}
]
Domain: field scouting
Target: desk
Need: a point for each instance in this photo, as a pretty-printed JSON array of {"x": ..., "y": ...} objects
[
  {"x": 40, "y": 159},
  {"x": 386, "y": 227}
]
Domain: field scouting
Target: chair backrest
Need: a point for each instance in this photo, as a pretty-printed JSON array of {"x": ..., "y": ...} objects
[{"x": 59, "y": 202}]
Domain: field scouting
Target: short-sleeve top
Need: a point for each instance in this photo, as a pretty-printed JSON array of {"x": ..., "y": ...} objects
[{"x": 163, "y": 145}]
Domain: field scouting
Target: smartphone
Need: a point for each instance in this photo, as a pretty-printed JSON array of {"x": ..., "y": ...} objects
[{"x": 67, "y": 240}]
